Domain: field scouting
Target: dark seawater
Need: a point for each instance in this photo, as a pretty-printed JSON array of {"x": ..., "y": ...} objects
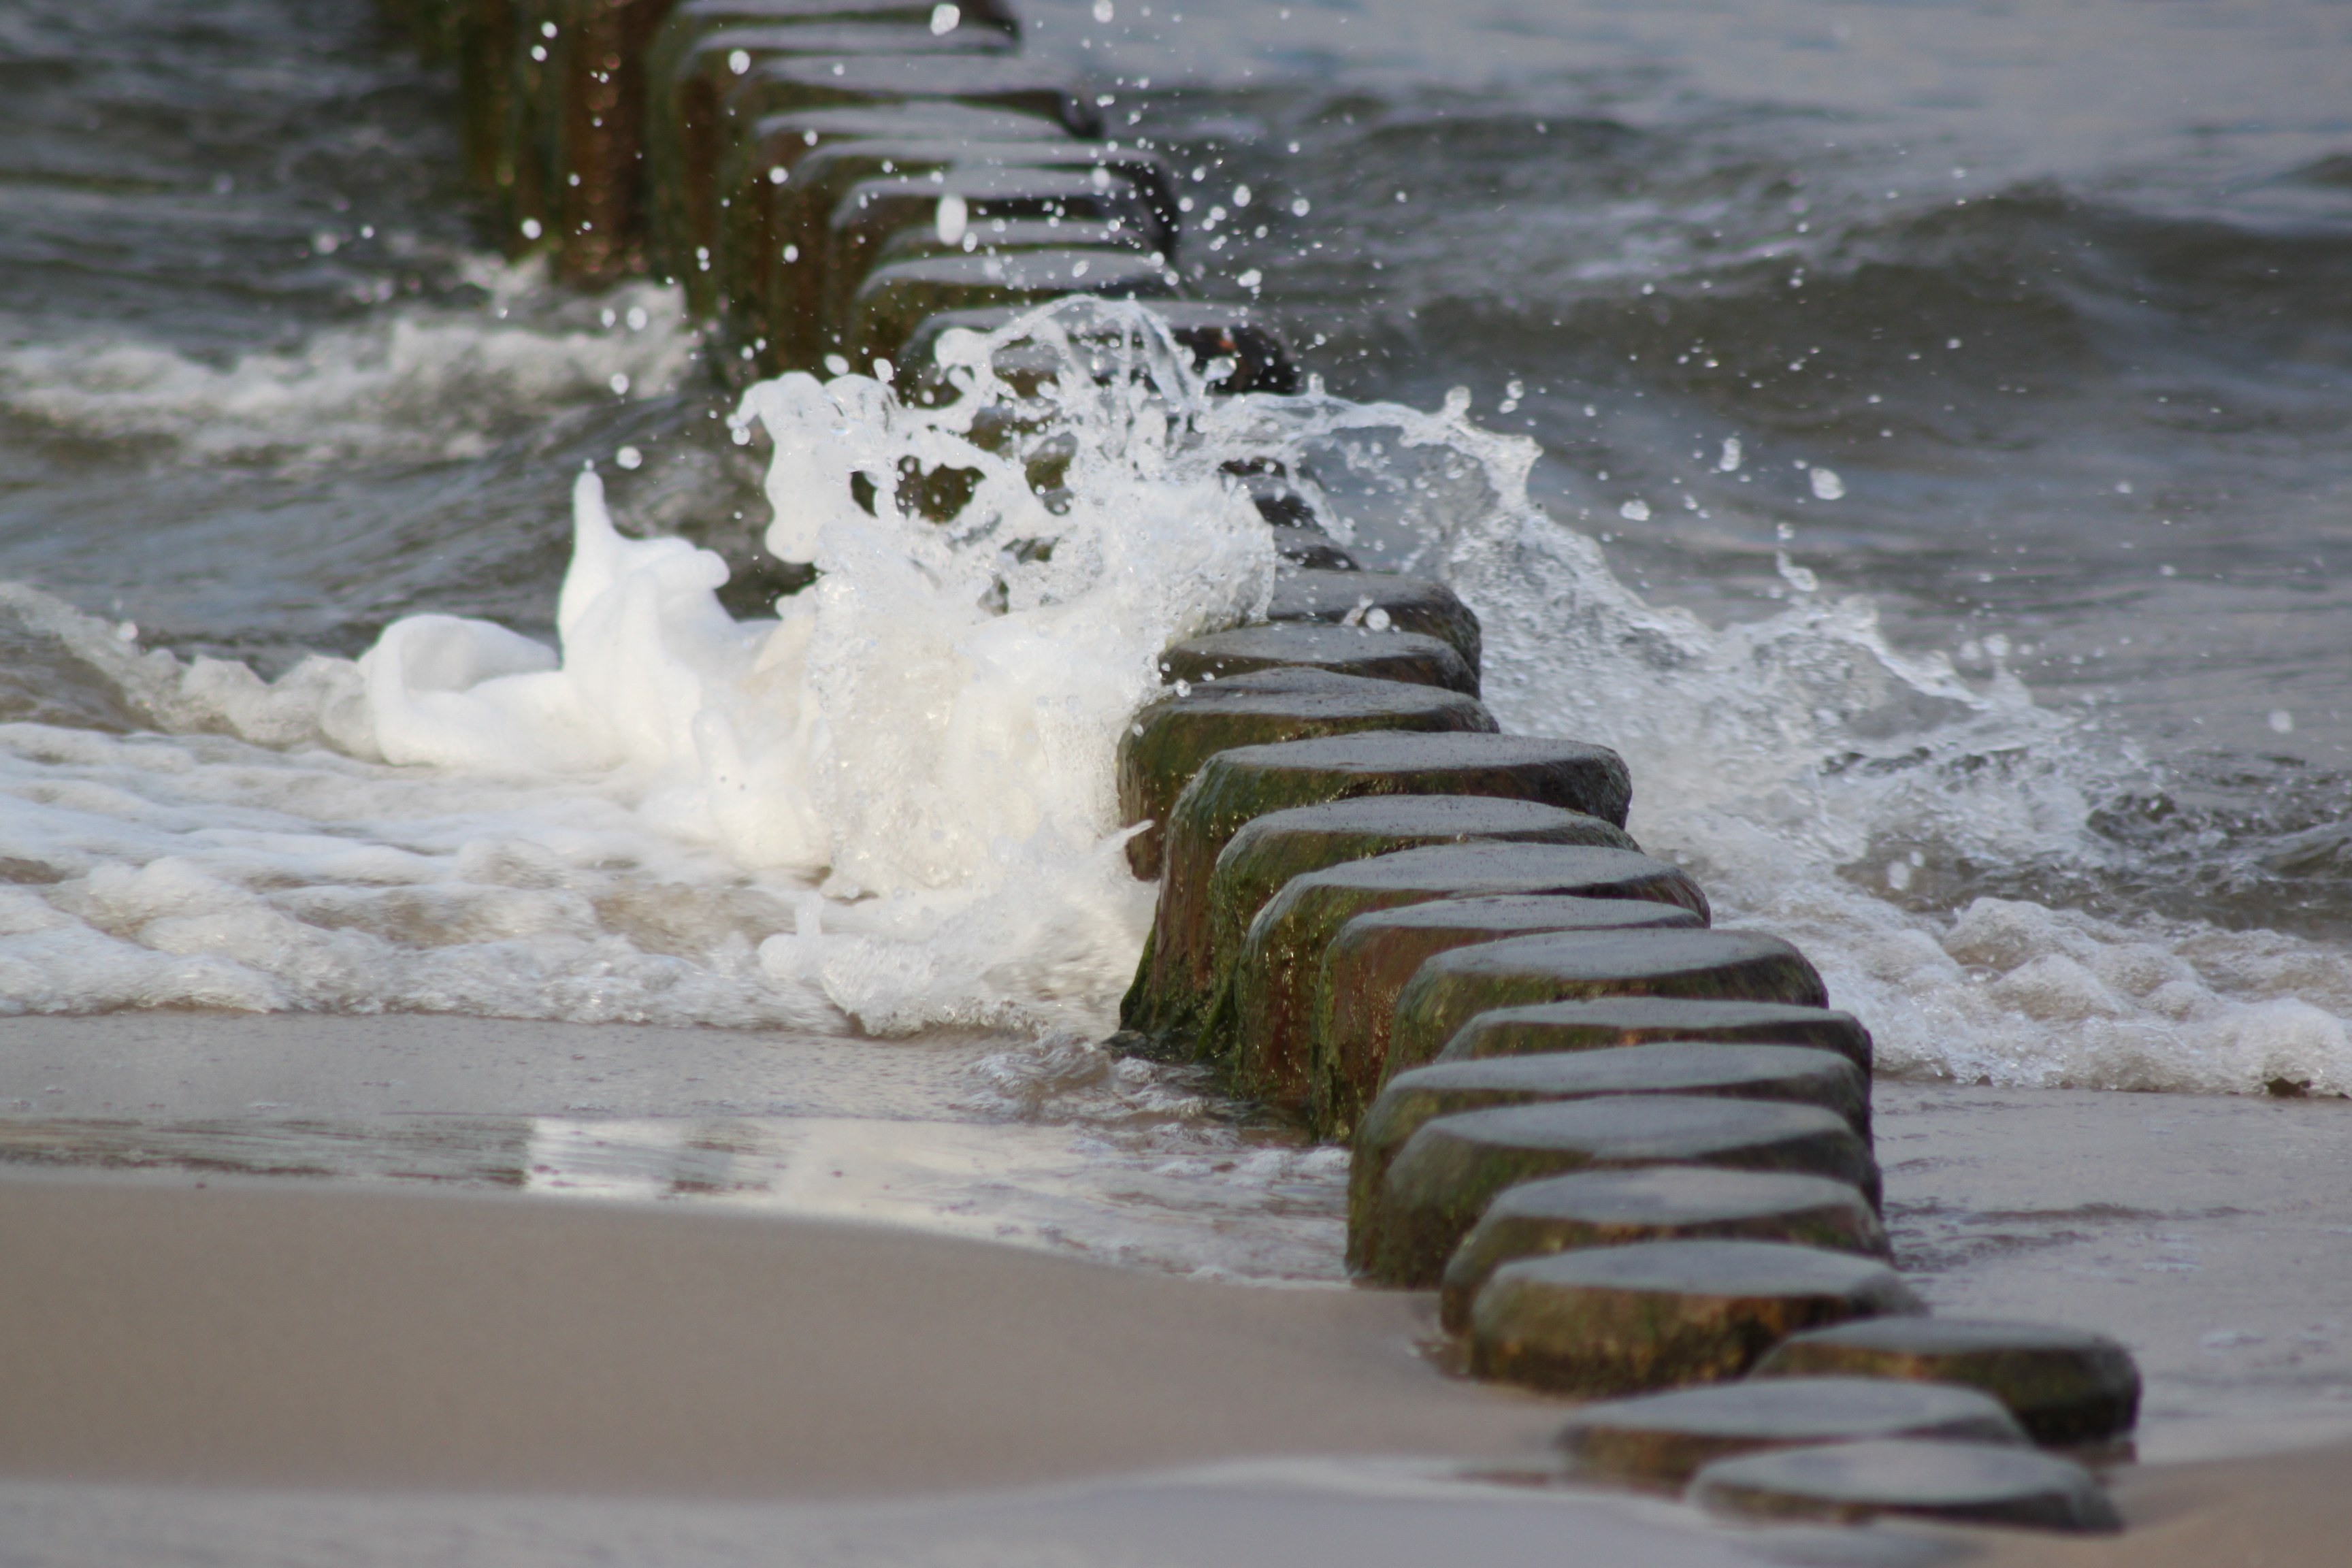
[{"x": 2029, "y": 321}]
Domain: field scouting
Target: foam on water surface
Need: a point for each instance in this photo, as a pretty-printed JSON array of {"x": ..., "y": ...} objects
[
  {"x": 891, "y": 802},
  {"x": 421, "y": 382}
]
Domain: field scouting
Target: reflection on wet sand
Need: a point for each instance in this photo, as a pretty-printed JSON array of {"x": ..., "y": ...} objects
[{"x": 1271, "y": 1211}]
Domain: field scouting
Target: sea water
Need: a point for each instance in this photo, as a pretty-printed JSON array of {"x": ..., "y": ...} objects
[{"x": 1915, "y": 437}]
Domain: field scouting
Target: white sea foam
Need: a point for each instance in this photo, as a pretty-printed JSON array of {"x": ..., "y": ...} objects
[
  {"x": 928, "y": 733},
  {"x": 892, "y": 802},
  {"x": 412, "y": 382}
]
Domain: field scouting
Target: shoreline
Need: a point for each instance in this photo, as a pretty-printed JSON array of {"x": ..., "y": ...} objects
[
  {"x": 363, "y": 1376},
  {"x": 436, "y": 1345}
]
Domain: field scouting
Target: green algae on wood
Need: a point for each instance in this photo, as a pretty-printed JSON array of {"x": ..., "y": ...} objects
[
  {"x": 1232, "y": 787},
  {"x": 1366, "y": 966},
  {"x": 2064, "y": 1386},
  {"x": 595, "y": 105},
  {"x": 893, "y": 300},
  {"x": 1165, "y": 743},
  {"x": 687, "y": 161},
  {"x": 864, "y": 195},
  {"x": 1262, "y": 994},
  {"x": 760, "y": 199},
  {"x": 691, "y": 73},
  {"x": 1666, "y": 1314},
  {"x": 1402, "y": 1231},
  {"x": 819, "y": 233},
  {"x": 1610, "y": 1021},
  {"x": 1351, "y": 650},
  {"x": 1786, "y": 1074},
  {"x": 1659, "y": 1440},
  {"x": 1454, "y": 987},
  {"x": 1656, "y": 1202},
  {"x": 1952, "y": 1483},
  {"x": 1407, "y": 604},
  {"x": 1261, "y": 859}
]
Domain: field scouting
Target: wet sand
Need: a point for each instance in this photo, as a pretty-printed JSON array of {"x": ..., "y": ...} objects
[
  {"x": 252, "y": 1334},
  {"x": 213, "y": 1366}
]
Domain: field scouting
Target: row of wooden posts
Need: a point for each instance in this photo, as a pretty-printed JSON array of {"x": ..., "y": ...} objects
[
  {"x": 1630, "y": 1153},
  {"x": 823, "y": 178}
]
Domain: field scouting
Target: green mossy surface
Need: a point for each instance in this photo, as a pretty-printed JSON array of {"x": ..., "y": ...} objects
[
  {"x": 1266, "y": 1035},
  {"x": 1666, "y": 1314},
  {"x": 2064, "y": 1386},
  {"x": 1611, "y": 1021},
  {"x": 1366, "y": 964},
  {"x": 768, "y": 297},
  {"x": 1440, "y": 1182},
  {"x": 1236, "y": 786},
  {"x": 1411, "y": 604},
  {"x": 804, "y": 305},
  {"x": 1165, "y": 743},
  {"x": 1712, "y": 965},
  {"x": 855, "y": 197},
  {"x": 1659, "y": 1203},
  {"x": 1261, "y": 859},
  {"x": 1791, "y": 1075},
  {"x": 1349, "y": 650},
  {"x": 690, "y": 80}
]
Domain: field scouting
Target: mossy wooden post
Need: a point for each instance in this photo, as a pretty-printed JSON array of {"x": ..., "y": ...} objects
[
  {"x": 1402, "y": 1231},
  {"x": 2064, "y": 1386},
  {"x": 1664, "y": 1314},
  {"x": 1610, "y": 1021},
  {"x": 1352, "y": 993},
  {"x": 1654, "y": 1202},
  {"x": 1235, "y": 786},
  {"x": 1453, "y": 987},
  {"x": 1165, "y": 743},
  {"x": 521, "y": 133},
  {"x": 867, "y": 195},
  {"x": 699, "y": 103},
  {"x": 764, "y": 158},
  {"x": 1261, "y": 859},
  {"x": 1791, "y": 1075},
  {"x": 596, "y": 100},
  {"x": 1384, "y": 656},
  {"x": 485, "y": 31},
  {"x": 1265, "y": 1030},
  {"x": 1380, "y": 601}
]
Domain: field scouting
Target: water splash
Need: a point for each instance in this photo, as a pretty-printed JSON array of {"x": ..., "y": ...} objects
[{"x": 894, "y": 796}]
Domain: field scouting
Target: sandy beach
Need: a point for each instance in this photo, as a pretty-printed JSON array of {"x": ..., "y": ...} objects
[{"x": 347, "y": 1359}]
